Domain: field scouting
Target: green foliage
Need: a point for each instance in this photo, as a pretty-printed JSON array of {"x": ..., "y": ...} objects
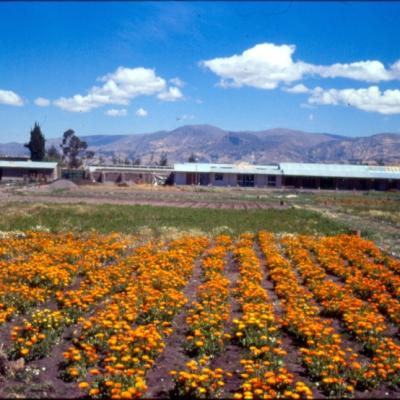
[
  {"x": 163, "y": 160},
  {"x": 37, "y": 144},
  {"x": 130, "y": 218},
  {"x": 137, "y": 161},
  {"x": 74, "y": 150},
  {"x": 53, "y": 154},
  {"x": 192, "y": 158}
]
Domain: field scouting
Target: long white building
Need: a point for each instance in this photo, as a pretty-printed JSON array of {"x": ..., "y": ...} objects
[{"x": 295, "y": 175}]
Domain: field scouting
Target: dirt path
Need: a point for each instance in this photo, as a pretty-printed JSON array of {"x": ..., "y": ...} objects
[
  {"x": 159, "y": 382},
  {"x": 158, "y": 199},
  {"x": 230, "y": 357}
]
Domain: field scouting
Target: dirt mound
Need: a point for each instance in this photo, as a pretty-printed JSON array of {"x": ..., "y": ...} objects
[
  {"x": 59, "y": 185},
  {"x": 62, "y": 184}
]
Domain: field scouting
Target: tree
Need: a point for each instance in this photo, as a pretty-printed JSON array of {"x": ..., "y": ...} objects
[
  {"x": 53, "y": 154},
  {"x": 380, "y": 161},
  {"x": 89, "y": 154},
  {"x": 37, "y": 144},
  {"x": 192, "y": 158},
  {"x": 74, "y": 150},
  {"x": 151, "y": 161},
  {"x": 163, "y": 160},
  {"x": 137, "y": 161}
]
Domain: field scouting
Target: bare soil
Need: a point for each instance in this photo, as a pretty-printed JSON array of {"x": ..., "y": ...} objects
[
  {"x": 229, "y": 359},
  {"x": 159, "y": 382},
  {"x": 146, "y": 195}
]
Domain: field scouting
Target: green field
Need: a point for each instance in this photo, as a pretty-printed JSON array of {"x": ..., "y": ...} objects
[
  {"x": 133, "y": 218},
  {"x": 375, "y": 214}
]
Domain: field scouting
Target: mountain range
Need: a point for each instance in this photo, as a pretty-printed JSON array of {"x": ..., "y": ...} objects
[{"x": 211, "y": 144}]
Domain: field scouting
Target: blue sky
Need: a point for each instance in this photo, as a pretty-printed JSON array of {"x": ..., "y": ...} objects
[{"x": 121, "y": 68}]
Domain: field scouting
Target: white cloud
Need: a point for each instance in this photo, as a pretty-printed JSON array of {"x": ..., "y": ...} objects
[
  {"x": 395, "y": 69},
  {"x": 267, "y": 65},
  {"x": 10, "y": 98},
  {"x": 311, "y": 117},
  {"x": 119, "y": 87},
  {"x": 300, "y": 88},
  {"x": 141, "y": 112},
  {"x": 369, "y": 71},
  {"x": 116, "y": 113},
  {"x": 42, "y": 102},
  {"x": 370, "y": 99},
  {"x": 177, "y": 82},
  {"x": 172, "y": 94},
  {"x": 264, "y": 66}
]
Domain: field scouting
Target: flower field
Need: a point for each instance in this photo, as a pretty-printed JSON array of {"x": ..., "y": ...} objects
[{"x": 249, "y": 317}]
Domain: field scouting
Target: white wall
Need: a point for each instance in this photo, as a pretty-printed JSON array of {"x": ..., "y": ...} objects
[
  {"x": 230, "y": 180},
  {"x": 260, "y": 180}
]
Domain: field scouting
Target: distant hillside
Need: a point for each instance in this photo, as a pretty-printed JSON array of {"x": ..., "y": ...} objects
[
  {"x": 384, "y": 147},
  {"x": 212, "y": 144},
  {"x": 13, "y": 149}
]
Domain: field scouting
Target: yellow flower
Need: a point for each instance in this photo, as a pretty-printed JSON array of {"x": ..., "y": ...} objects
[{"x": 24, "y": 351}]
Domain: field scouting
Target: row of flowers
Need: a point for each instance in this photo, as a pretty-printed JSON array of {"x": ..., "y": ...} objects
[
  {"x": 362, "y": 320},
  {"x": 359, "y": 254},
  {"x": 116, "y": 346},
  {"x": 102, "y": 275},
  {"x": 206, "y": 322},
  {"x": 358, "y": 280},
  {"x": 124, "y": 304},
  {"x": 326, "y": 359},
  {"x": 99, "y": 282},
  {"x": 257, "y": 331},
  {"x": 369, "y": 248},
  {"x": 34, "y": 267}
]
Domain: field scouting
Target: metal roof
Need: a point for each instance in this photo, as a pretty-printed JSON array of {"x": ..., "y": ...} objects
[
  {"x": 340, "y": 170},
  {"x": 297, "y": 169},
  {"x": 120, "y": 168},
  {"x": 240, "y": 168},
  {"x": 28, "y": 164}
]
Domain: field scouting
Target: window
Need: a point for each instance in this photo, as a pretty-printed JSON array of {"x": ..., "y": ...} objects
[
  {"x": 245, "y": 180},
  {"x": 219, "y": 177},
  {"x": 271, "y": 180}
]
